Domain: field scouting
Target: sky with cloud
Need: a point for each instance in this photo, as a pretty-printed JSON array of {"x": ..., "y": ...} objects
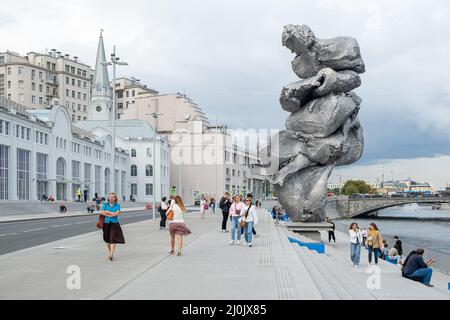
[{"x": 227, "y": 56}]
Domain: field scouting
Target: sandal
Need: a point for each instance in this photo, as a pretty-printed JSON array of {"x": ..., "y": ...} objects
[
  {"x": 172, "y": 252},
  {"x": 179, "y": 254}
]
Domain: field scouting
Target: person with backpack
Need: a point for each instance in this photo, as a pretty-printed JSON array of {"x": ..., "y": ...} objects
[
  {"x": 224, "y": 205},
  {"x": 248, "y": 220},
  {"x": 415, "y": 268},
  {"x": 162, "y": 212}
]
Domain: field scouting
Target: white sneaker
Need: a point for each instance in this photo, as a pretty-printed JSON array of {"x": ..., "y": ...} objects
[
  {"x": 232, "y": 242},
  {"x": 250, "y": 245},
  {"x": 245, "y": 244},
  {"x": 256, "y": 235}
]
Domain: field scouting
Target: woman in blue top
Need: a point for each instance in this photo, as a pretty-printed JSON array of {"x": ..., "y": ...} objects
[{"x": 112, "y": 232}]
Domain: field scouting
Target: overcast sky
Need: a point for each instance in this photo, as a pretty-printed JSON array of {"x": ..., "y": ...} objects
[{"x": 227, "y": 56}]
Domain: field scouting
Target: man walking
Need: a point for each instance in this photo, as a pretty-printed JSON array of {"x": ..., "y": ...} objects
[{"x": 224, "y": 205}]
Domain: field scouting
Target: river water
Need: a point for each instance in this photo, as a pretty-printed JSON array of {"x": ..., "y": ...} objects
[{"x": 415, "y": 224}]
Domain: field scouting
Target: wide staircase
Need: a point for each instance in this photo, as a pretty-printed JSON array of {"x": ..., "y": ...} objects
[{"x": 307, "y": 274}]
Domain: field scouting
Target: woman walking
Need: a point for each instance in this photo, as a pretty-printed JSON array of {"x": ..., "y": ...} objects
[
  {"x": 235, "y": 213},
  {"x": 112, "y": 232},
  {"x": 203, "y": 207},
  {"x": 162, "y": 212},
  {"x": 250, "y": 219},
  {"x": 355, "y": 244},
  {"x": 177, "y": 227},
  {"x": 374, "y": 242}
]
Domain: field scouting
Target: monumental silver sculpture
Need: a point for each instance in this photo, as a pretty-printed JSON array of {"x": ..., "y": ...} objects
[{"x": 323, "y": 130}]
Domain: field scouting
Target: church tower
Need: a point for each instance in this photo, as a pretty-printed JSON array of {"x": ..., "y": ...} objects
[{"x": 101, "y": 100}]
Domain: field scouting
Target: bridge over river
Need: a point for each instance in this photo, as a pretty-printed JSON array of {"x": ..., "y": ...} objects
[{"x": 360, "y": 207}]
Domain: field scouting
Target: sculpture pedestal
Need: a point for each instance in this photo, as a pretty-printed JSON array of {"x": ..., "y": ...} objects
[{"x": 309, "y": 230}]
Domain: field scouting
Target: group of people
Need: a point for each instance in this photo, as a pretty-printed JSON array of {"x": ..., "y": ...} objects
[
  {"x": 413, "y": 267},
  {"x": 243, "y": 217},
  {"x": 207, "y": 202},
  {"x": 173, "y": 210}
]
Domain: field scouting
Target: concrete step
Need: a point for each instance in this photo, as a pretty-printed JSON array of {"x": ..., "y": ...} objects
[
  {"x": 346, "y": 276},
  {"x": 323, "y": 285},
  {"x": 329, "y": 273},
  {"x": 285, "y": 256},
  {"x": 340, "y": 277}
]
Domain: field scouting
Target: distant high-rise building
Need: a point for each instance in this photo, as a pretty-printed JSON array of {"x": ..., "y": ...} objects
[{"x": 35, "y": 79}]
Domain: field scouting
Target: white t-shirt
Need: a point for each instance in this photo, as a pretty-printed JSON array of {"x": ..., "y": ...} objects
[{"x": 177, "y": 213}]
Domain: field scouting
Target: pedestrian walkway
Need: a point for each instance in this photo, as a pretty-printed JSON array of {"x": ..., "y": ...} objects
[{"x": 210, "y": 268}]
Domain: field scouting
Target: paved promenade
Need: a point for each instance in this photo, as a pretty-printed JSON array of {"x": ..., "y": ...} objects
[{"x": 209, "y": 268}]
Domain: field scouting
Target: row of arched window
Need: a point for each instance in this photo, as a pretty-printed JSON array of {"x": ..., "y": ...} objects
[{"x": 148, "y": 170}]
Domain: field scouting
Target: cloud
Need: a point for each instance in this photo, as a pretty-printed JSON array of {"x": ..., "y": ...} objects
[
  {"x": 227, "y": 56},
  {"x": 427, "y": 169}
]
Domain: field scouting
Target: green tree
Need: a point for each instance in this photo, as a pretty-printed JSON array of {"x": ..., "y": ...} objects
[{"x": 356, "y": 186}]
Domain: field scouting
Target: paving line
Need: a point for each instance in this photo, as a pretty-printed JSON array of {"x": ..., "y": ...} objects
[{"x": 32, "y": 230}]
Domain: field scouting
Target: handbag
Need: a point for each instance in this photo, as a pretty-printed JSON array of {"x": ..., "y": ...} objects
[
  {"x": 243, "y": 223},
  {"x": 169, "y": 215},
  {"x": 101, "y": 221}
]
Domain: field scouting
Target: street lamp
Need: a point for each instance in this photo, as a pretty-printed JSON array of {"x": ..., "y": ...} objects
[
  {"x": 114, "y": 62},
  {"x": 155, "y": 116}
]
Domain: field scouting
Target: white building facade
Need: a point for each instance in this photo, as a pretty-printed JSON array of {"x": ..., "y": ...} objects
[{"x": 41, "y": 153}]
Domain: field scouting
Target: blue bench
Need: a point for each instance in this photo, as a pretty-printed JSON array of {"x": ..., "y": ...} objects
[
  {"x": 392, "y": 261},
  {"x": 315, "y": 246}
]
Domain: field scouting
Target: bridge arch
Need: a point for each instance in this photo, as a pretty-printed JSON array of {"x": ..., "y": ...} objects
[{"x": 357, "y": 208}]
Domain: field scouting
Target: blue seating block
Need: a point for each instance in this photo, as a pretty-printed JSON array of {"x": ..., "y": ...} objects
[
  {"x": 392, "y": 261},
  {"x": 316, "y": 246}
]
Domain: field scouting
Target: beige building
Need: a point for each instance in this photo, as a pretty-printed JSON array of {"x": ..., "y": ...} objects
[
  {"x": 204, "y": 157},
  {"x": 35, "y": 79},
  {"x": 128, "y": 90}
]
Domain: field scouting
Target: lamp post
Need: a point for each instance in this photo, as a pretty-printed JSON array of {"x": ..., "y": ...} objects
[
  {"x": 114, "y": 62},
  {"x": 155, "y": 116}
]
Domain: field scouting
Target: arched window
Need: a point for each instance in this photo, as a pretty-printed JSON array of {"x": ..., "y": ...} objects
[
  {"x": 107, "y": 180},
  {"x": 149, "y": 152},
  {"x": 133, "y": 171},
  {"x": 149, "y": 171},
  {"x": 60, "y": 168}
]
